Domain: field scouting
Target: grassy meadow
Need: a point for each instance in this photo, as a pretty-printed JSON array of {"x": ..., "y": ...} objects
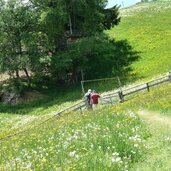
[
  {"x": 101, "y": 141},
  {"x": 147, "y": 28},
  {"x": 154, "y": 108},
  {"x": 115, "y": 137}
]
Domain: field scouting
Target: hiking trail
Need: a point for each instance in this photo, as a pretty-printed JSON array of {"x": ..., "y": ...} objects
[{"x": 158, "y": 157}]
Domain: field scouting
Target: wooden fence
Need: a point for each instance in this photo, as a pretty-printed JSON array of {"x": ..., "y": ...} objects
[
  {"x": 114, "y": 97},
  {"x": 121, "y": 94},
  {"x": 78, "y": 106}
]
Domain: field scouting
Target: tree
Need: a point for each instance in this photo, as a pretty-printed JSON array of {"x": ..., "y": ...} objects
[
  {"x": 16, "y": 27},
  {"x": 83, "y": 17},
  {"x": 33, "y": 36},
  {"x": 62, "y": 18},
  {"x": 111, "y": 17},
  {"x": 97, "y": 56}
]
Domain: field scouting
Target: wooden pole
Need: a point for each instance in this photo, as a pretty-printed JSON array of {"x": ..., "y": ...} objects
[
  {"x": 99, "y": 79},
  {"x": 169, "y": 76},
  {"x": 70, "y": 25},
  {"x": 82, "y": 75},
  {"x": 121, "y": 97},
  {"x": 148, "y": 88},
  {"x": 81, "y": 110},
  {"x": 82, "y": 82},
  {"x": 82, "y": 87},
  {"x": 110, "y": 99},
  {"x": 119, "y": 83}
]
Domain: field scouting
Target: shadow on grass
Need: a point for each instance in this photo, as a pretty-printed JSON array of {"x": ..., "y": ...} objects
[
  {"x": 123, "y": 57},
  {"x": 49, "y": 99}
]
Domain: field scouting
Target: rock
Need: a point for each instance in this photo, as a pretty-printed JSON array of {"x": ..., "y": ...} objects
[{"x": 9, "y": 98}]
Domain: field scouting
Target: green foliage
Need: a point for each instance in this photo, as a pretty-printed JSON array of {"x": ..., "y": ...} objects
[
  {"x": 34, "y": 35},
  {"x": 111, "y": 17},
  {"x": 97, "y": 56},
  {"x": 111, "y": 139},
  {"x": 17, "y": 22}
]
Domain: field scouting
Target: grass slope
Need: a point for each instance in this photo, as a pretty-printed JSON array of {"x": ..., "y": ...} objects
[
  {"x": 155, "y": 109},
  {"x": 107, "y": 140},
  {"x": 159, "y": 155},
  {"x": 147, "y": 28},
  {"x": 114, "y": 137}
]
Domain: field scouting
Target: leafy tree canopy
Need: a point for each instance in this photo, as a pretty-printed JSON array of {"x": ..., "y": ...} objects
[{"x": 45, "y": 38}]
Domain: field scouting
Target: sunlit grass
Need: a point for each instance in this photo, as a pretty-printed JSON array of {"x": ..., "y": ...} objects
[
  {"x": 158, "y": 99},
  {"x": 111, "y": 139},
  {"x": 147, "y": 28},
  {"x": 105, "y": 140}
]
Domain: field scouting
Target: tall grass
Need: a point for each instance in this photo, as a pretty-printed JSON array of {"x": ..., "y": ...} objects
[
  {"x": 111, "y": 139},
  {"x": 105, "y": 140},
  {"x": 158, "y": 99}
]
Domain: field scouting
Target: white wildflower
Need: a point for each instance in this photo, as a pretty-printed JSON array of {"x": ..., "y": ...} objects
[
  {"x": 116, "y": 160},
  {"x": 17, "y": 159},
  {"x": 72, "y": 153},
  {"x": 115, "y": 154},
  {"x": 77, "y": 156},
  {"x": 132, "y": 115},
  {"x": 28, "y": 166},
  {"x": 92, "y": 145},
  {"x": 136, "y": 145}
]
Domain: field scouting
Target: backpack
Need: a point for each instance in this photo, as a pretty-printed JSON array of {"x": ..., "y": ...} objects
[{"x": 88, "y": 97}]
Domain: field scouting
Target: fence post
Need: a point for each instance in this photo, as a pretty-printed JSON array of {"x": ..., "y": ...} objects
[
  {"x": 110, "y": 100},
  {"x": 119, "y": 83},
  {"x": 121, "y": 97},
  {"x": 81, "y": 110},
  {"x": 148, "y": 88},
  {"x": 169, "y": 76},
  {"x": 82, "y": 87}
]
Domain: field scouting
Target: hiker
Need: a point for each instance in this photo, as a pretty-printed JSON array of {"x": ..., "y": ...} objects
[
  {"x": 88, "y": 97},
  {"x": 94, "y": 100}
]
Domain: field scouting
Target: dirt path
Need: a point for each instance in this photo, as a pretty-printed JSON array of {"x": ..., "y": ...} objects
[
  {"x": 158, "y": 157},
  {"x": 155, "y": 118}
]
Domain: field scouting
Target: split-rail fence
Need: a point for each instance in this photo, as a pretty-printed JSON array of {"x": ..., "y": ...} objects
[{"x": 114, "y": 97}]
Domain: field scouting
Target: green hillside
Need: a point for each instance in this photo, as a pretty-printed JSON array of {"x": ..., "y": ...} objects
[
  {"x": 147, "y": 28},
  {"x": 115, "y": 138}
]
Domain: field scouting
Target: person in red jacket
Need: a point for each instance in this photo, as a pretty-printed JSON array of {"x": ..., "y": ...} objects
[{"x": 94, "y": 100}]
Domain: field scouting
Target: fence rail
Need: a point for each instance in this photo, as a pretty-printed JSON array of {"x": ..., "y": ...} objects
[
  {"x": 110, "y": 98},
  {"x": 119, "y": 95},
  {"x": 80, "y": 105}
]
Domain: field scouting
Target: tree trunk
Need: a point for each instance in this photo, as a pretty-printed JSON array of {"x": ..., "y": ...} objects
[
  {"x": 17, "y": 74},
  {"x": 27, "y": 75},
  {"x": 70, "y": 24},
  {"x": 17, "y": 80}
]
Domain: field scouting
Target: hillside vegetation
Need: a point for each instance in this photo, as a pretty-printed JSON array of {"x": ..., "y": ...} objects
[
  {"x": 115, "y": 137},
  {"x": 147, "y": 28}
]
